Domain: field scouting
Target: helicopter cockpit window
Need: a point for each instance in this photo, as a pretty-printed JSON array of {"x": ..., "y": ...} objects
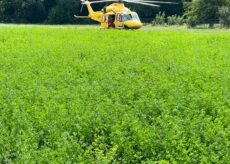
[{"x": 126, "y": 17}]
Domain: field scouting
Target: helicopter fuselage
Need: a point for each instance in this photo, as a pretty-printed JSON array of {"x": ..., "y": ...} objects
[{"x": 115, "y": 16}]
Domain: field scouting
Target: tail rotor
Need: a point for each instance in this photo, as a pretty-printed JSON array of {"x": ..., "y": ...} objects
[{"x": 82, "y": 6}]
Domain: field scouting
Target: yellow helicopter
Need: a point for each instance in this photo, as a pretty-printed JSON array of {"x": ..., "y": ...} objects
[{"x": 117, "y": 15}]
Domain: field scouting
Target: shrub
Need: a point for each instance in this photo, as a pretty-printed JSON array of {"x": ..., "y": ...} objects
[
  {"x": 175, "y": 20},
  {"x": 191, "y": 22},
  {"x": 159, "y": 19}
]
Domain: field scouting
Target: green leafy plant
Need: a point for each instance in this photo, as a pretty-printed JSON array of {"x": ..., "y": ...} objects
[
  {"x": 160, "y": 19},
  {"x": 175, "y": 20},
  {"x": 76, "y": 94}
]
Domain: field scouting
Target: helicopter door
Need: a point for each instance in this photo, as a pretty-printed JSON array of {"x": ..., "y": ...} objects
[
  {"x": 104, "y": 21},
  {"x": 118, "y": 22},
  {"x": 111, "y": 21}
]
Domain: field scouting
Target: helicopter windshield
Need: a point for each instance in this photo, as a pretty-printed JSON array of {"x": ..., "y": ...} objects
[
  {"x": 135, "y": 16},
  {"x": 132, "y": 16}
]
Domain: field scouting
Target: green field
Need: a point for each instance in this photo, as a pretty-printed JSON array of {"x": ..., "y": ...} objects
[{"x": 74, "y": 94}]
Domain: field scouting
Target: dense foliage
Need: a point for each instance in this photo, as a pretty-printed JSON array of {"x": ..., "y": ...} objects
[
  {"x": 205, "y": 11},
  {"x": 62, "y": 11},
  {"x": 224, "y": 13},
  {"x": 88, "y": 95}
]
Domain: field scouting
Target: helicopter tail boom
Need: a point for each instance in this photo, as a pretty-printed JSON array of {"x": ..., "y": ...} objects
[{"x": 87, "y": 3}]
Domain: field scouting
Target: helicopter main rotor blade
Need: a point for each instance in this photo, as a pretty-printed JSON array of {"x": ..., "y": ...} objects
[
  {"x": 141, "y": 3},
  {"x": 157, "y": 2},
  {"x": 102, "y": 1}
]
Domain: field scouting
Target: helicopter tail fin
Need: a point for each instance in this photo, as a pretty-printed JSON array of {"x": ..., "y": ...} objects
[
  {"x": 94, "y": 15},
  {"x": 88, "y": 5}
]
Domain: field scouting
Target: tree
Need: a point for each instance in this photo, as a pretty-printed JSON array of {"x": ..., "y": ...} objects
[
  {"x": 34, "y": 11},
  {"x": 22, "y": 11},
  {"x": 224, "y": 13},
  {"x": 64, "y": 12},
  {"x": 48, "y": 4},
  {"x": 10, "y": 10},
  {"x": 205, "y": 11}
]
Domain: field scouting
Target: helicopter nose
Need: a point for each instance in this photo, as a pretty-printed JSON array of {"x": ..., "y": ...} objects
[{"x": 134, "y": 24}]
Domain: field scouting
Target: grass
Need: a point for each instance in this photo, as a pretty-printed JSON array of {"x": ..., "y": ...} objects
[{"x": 76, "y": 94}]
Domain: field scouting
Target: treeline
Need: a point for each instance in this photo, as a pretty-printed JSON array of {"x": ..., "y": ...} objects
[
  {"x": 38, "y": 11},
  {"x": 62, "y": 11}
]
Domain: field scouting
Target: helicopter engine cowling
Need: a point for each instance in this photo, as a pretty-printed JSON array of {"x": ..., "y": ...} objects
[{"x": 116, "y": 8}]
